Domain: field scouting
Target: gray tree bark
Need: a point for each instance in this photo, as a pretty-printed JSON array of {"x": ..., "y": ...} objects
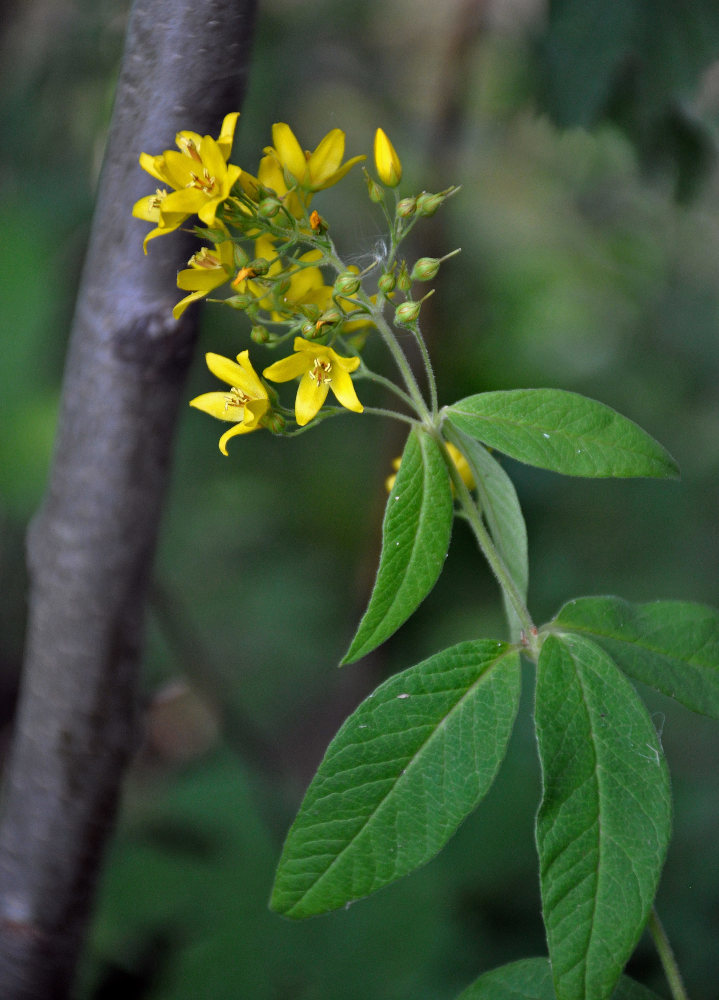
[{"x": 91, "y": 545}]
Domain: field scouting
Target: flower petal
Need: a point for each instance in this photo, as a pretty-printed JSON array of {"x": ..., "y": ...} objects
[
  {"x": 215, "y": 403},
  {"x": 343, "y": 388},
  {"x": 226, "y": 370},
  {"x": 289, "y": 151},
  {"x": 199, "y": 279},
  {"x": 184, "y": 303},
  {"x": 252, "y": 385},
  {"x": 227, "y": 133},
  {"x": 288, "y": 368},
  {"x": 310, "y": 397},
  {"x": 154, "y": 165},
  {"x": 237, "y": 429},
  {"x": 327, "y": 157}
]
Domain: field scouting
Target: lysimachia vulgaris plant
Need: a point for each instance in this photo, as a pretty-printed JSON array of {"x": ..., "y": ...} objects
[{"x": 418, "y": 754}]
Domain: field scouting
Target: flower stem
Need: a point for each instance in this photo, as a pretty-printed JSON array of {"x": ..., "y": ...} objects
[
  {"x": 428, "y": 368},
  {"x": 666, "y": 956},
  {"x": 489, "y": 550}
]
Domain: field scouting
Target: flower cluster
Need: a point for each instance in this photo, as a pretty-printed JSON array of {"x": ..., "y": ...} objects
[{"x": 271, "y": 250}]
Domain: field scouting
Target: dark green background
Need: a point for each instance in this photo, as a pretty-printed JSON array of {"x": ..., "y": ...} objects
[{"x": 584, "y": 142}]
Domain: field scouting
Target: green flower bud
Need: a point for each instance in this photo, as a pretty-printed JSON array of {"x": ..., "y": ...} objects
[
  {"x": 427, "y": 204},
  {"x": 239, "y": 301},
  {"x": 406, "y": 314},
  {"x": 268, "y": 208},
  {"x": 259, "y": 334},
  {"x": 406, "y": 207},
  {"x": 274, "y": 422},
  {"x": 309, "y": 330},
  {"x": 386, "y": 283},
  {"x": 259, "y": 265},
  {"x": 375, "y": 192},
  {"x": 347, "y": 283},
  {"x": 404, "y": 282},
  {"x": 425, "y": 269}
]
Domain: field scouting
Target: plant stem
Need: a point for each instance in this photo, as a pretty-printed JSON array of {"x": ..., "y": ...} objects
[
  {"x": 666, "y": 956},
  {"x": 489, "y": 550},
  {"x": 428, "y": 368}
]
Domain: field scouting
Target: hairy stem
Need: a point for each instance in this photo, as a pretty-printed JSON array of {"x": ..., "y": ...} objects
[
  {"x": 489, "y": 550},
  {"x": 666, "y": 956}
]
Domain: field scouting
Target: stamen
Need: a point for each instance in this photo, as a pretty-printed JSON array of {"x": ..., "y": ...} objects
[
  {"x": 320, "y": 373},
  {"x": 190, "y": 148},
  {"x": 205, "y": 259},
  {"x": 206, "y": 183},
  {"x": 236, "y": 397}
]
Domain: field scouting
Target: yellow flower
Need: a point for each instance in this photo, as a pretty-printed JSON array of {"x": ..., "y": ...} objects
[
  {"x": 457, "y": 457},
  {"x": 199, "y": 174},
  {"x": 388, "y": 164},
  {"x": 150, "y": 209},
  {"x": 208, "y": 269},
  {"x": 312, "y": 171},
  {"x": 321, "y": 369},
  {"x": 246, "y": 402}
]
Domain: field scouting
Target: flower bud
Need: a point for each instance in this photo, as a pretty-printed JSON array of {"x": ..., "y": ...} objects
[
  {"x": 404, "y": 282},
  {"x": 259, "y": 266},
  {"x": 239, "y": 301},
  {"x": 274, "y": 422},
  {"x": 406, "y": 314},
  {"x": 386, "y": 283},
  {"x": 425, "y": 269},
  {"x": 427, "y": 204},
  {"x": 308, "y": 330},
  {"x": 386, "y": 161},
  {"x": 406, "y": 207},
  {"x": 347, "y": 283},
  {"x": 268, "y": 208},
  {"x": 375, "y": 192},
  {"x": 259, "y": 334}
]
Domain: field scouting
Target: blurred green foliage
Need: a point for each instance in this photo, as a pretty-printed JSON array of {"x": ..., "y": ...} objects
[{"x": 580, "y": 268}]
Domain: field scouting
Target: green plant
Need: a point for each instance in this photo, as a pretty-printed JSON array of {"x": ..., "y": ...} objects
[{"x": 420, "y": 752}]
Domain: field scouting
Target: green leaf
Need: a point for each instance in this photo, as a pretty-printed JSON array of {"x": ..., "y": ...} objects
[
  {"x": 502, "y": 513},
  {"x": 531, "y": 979},
  {"x": 399, "y": 777},
  {"x": 415, "y": 538},
  {"x": 562, "y": 431},
  {"x": 604, "y": 822},
  {"x": 673, "y": 646}
]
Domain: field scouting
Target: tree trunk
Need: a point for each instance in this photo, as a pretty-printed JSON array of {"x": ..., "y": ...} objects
[{"x": 91, "y": 545}]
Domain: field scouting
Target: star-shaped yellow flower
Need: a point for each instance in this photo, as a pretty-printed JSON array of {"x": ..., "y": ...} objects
[
  {"x": 312, "y": 171},
  {"x": 199, "y": 174},
  {"x": 208, "y": 269},
  {"x": 319, "y": 370},
  {"x": 246, "y": 402}
]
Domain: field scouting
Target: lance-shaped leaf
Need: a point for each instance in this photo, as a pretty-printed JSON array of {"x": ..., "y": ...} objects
[
  {"x": 562, "y": 431},
  {"x": 500, "y": 508},
  {"x": 415, "y": 538},
  {"x": 603, "y": 825},
  {"x": 402, "y": 773},
  {"x": 673, "y": 646},
  {"x": 531, "y": 979}
]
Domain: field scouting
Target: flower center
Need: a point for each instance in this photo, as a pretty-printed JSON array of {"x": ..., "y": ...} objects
[
  {"x": 206, "y": 183},
  {"x": 320, "y": 372},
  {"x": 236, "y": 397},
  {"x": 158, "y": 198},
  {"x": 204, "y": 259}
]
